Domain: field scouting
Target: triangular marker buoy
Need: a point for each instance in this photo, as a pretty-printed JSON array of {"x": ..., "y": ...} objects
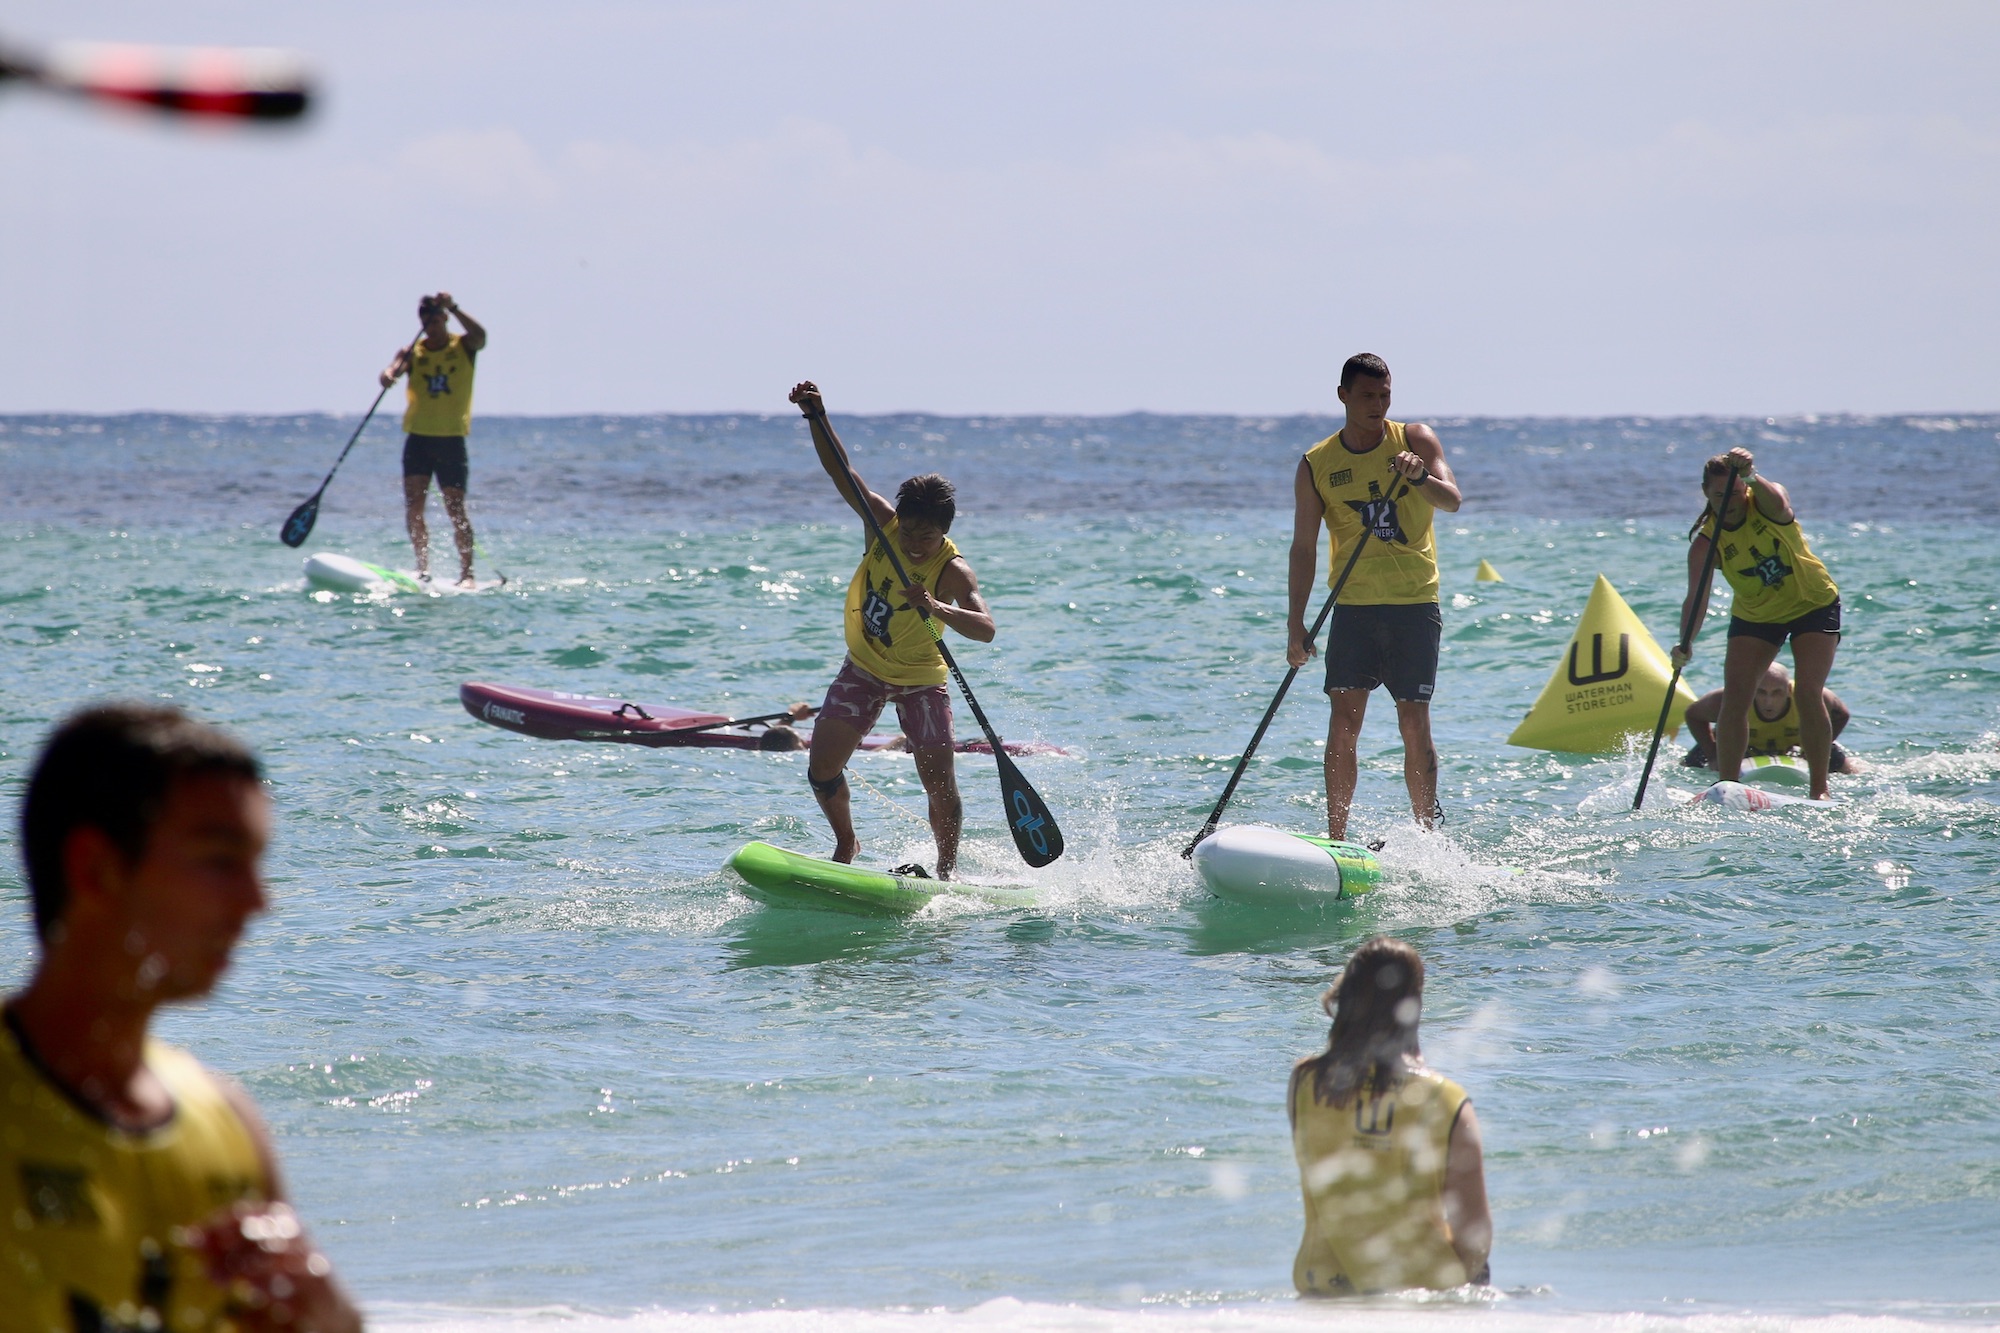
[
  {"x": 1486, "y": 573},
  {"x": 1607, "y": 687}
]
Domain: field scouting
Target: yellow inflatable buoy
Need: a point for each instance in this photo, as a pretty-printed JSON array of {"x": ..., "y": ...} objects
[
  {"x": 1486, "y": 573},
  {"x": 1607, "y": 687}
]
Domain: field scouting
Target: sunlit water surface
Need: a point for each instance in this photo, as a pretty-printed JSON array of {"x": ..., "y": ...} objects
[{"x": 533, "y": 1062}]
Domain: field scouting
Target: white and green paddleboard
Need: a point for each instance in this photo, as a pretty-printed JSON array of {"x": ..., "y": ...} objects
[
  {"x": 343, "y": 573},
  {"x": 791, "y": 879},
  {"x": 1776, "y": 770},
  {"x": 1252, "y": 864}
]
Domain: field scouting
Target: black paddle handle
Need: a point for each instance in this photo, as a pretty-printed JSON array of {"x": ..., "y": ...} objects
[
  {"x": 1257, "y": 737},
  {"x": 1698, "y": 602}
]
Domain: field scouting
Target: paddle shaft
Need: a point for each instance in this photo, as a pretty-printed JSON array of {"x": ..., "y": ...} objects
[
  {"x": 1257, "y": 737},
  {"x": 307, "y": 514},
  {"x": 1695, "y": 603}
]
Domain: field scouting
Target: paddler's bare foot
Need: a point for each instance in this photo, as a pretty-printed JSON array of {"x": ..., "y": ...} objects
[
  {"x": 845, "y": 852},
  {"x": 465, "y": 579},
  {"x": 944, "y": 871}
]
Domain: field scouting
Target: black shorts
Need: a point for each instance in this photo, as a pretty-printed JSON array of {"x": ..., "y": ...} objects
[
  {"x": 1826, "y": 620},
  {"x": 442, "y": 456},
  {"x": 1395, "y": 646}
]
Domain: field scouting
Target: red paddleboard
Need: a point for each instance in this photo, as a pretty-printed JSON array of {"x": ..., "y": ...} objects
[{"x": 557, "y": 715}]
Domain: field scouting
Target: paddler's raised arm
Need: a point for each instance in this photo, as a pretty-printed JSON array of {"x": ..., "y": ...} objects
[{"x": 833, "y": 455}]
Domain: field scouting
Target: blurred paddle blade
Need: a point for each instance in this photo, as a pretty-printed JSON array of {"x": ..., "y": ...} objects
[
  {"x": 217, "y": 83},
  {"x": 1036, "y": 835},
  {"x": 300, "y": 525}
]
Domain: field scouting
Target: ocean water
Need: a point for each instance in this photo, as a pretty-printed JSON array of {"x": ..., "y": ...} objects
[{"x": 533, "y": 1063}]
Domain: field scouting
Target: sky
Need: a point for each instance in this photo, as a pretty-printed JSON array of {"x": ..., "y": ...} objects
[{"x": 1026, "y": 207}]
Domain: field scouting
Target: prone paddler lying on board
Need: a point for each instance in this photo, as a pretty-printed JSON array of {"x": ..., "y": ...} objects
[
  {"x": 892, "y": 653},
  {"x": 1782, "y": 591},
  {"x": 1774, "y": 724}
]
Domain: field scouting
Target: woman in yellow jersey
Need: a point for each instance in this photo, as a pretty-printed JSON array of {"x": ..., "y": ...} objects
[
  {"x": 1774, "y": 723},
  {"x": 1782, "y": 591},
  {"x": 1388, "y": 1152},
  {"x": 891, "y": 643},
  {"x": 139, "y": 1191},
  {"x": 436, "y": 423}
]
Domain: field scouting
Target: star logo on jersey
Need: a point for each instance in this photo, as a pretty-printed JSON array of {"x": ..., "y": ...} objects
[
  {"x": 1770, "y": 569},
  {"x": 439, "y": 385},
  {"x": 1378, "y": 516},
  {"x": 875, "y": 612}
]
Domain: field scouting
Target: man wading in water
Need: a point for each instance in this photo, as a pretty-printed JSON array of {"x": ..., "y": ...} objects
[
  {"x": 1384, "y": 479},
  {"x": 437, "y": 421},
  {"x": 891, "y": 653}
]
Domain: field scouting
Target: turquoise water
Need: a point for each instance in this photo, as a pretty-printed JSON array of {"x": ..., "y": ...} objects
[{"x": 527, "y": 1051}]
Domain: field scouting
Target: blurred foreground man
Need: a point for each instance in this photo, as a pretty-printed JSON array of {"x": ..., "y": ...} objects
[{"x": 138, "y": 1191}]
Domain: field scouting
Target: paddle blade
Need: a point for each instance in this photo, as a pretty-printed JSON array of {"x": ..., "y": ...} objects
[
  {"x": 1036, "y": 835},
  {"x": 300, "y": 525},
  {"x": 210, "y": 83}
]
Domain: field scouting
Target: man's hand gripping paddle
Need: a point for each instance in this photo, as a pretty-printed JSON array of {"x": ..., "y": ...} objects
[
  {"x": 1036, "y": 834},
  {"x": 299, "y": 526},
  {"x": 1687, "y": 637},
  {"x": 211, "y": 83},
  {"x": 1257, "y": 737}
]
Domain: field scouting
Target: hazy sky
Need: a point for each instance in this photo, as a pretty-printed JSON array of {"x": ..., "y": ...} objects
[{"x": 1022, "y": 207}]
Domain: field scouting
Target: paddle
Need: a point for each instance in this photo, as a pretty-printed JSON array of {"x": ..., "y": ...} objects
[
  {"x": 210, "y": 82},
  {"x": 1215, "y": 815},
  {"x": 1687, "y": 640},
  {"x": 299, "y": 526},
  {"x": 1036, "y": 834}
]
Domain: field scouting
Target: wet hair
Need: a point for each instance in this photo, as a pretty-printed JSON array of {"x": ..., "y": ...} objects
[
  {"x": 1363, "y": 363},
  {"x": 429, "y": 306},
  {"x": 927, "y": 499},
  {"x": 781, "y": 737},
  {"x": 1375, "y": 1005},
  {"x": 1716, "y": 466},
  {"x": 110, "y": 767}
]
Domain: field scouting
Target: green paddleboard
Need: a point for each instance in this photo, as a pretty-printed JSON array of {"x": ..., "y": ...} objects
[{"x": 788, "y": 879}]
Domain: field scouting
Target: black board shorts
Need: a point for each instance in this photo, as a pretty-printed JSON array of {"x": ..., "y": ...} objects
[
  {"x": 1825, "y": 620},
  {"x": 1395, "y": 646},
  {"x": 442, "y": 456}
]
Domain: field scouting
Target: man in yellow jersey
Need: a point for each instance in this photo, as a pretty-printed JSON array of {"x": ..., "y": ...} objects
[
  {"x": 891, "y": 652},
  {"x": 1378, "y": 479},
  {"x": 138, "y": 1191},
  {"x": 1774, "y": 723},
  {"x": 437, "y": 421},
  {"x": 1782, "y": 591}
]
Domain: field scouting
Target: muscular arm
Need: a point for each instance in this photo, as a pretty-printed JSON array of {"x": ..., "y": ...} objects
[
  {"x": 474, "y": 338},
  {"x": 1701, "y": 718},
  {"x": 1836, "y": 711},
  {"x": 956, "y": 584},
  {"x": 1694, "y": 609},
  {"x": 1465, "y": 1208},
  {"x": 1441, "y": 488},
  {"x": 392, "y": 372},
  {"x": 1772, "y": 500},
  {"x": 1302, "y": 566},
  {"x": 833, "y": 457}
]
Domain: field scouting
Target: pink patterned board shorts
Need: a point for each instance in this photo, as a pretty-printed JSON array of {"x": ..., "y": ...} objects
[{"x": 857, "y": 698}]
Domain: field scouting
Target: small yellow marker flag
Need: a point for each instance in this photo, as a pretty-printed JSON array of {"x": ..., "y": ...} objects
[
  {"x": 1486, "y": 573},
  {"x": 1607, "y": 687}
]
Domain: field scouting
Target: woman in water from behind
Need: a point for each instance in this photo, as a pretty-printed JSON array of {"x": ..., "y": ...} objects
[
  {"x": 1782, "y": 592},
  {"x": 1388, "y": 1152}
]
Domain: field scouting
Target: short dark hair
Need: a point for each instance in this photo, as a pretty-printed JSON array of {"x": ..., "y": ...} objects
[
  {"x": 110, "y": 767},
  {"x": 927, "y": 499},
  {"x": 1363, "y": 363}
]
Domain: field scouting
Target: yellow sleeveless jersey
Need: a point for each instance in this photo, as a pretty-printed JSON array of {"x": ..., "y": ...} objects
[
  {"x": 1373, "y": 1177},
  {"x": 440, "y": 390},
  {"x": 88, "y": 1211},
  {"x": 1781, "y": 736},
  {"x": 1774, "y": 574},
  {"x": 1398, "y": 566},
  {"x": 885, "y": 637}
]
